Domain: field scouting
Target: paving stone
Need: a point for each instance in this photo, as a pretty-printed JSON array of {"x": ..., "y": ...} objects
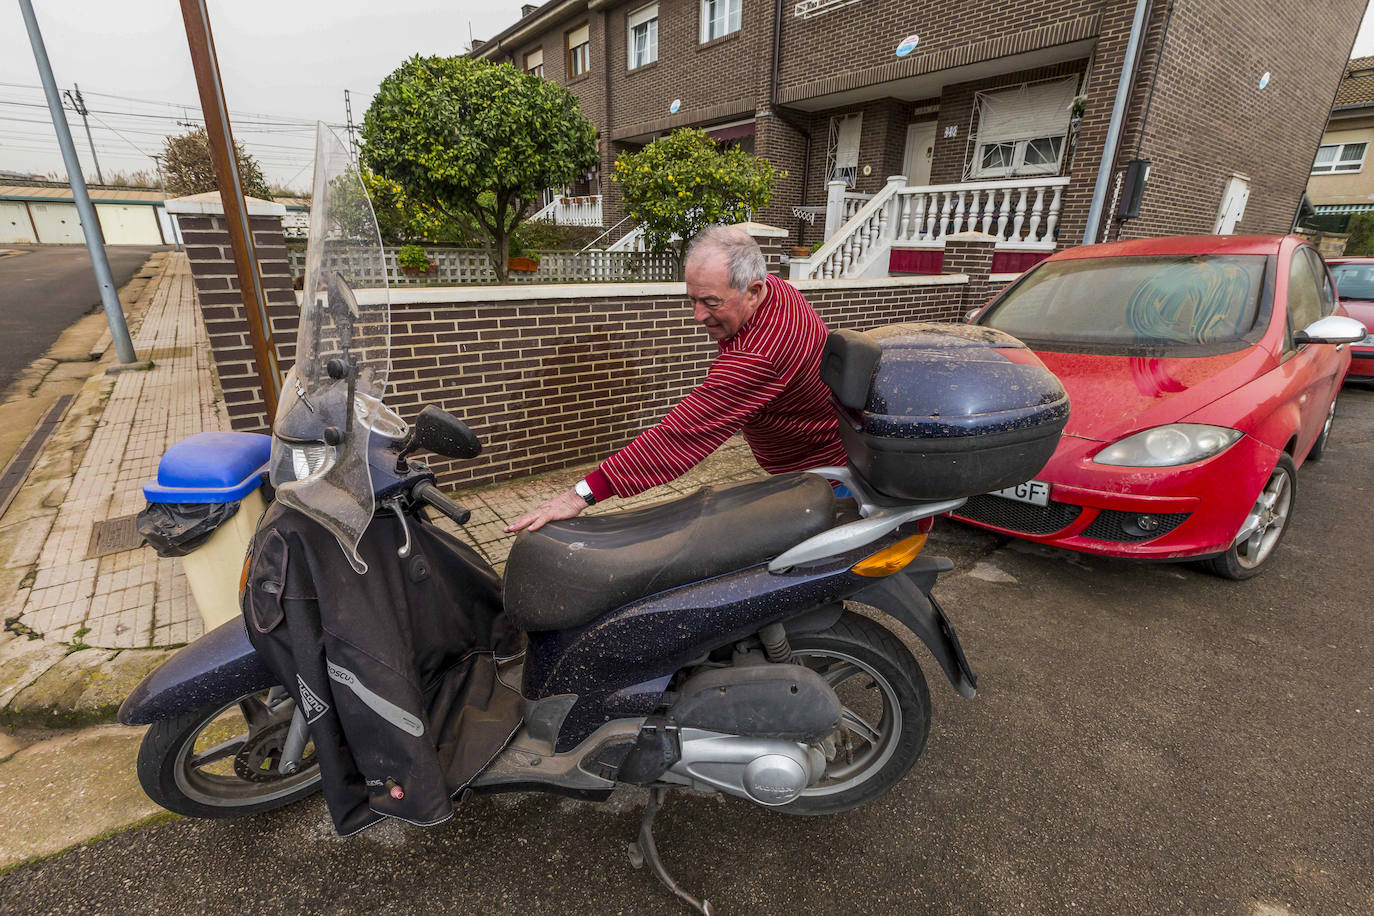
[
  {"x": 22, "y": 661},
  {"x": 86, "y": 686},
  {"x": 68, "y": 789}
]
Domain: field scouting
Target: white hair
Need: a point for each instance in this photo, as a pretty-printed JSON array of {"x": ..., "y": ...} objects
[{"x": 744, "y": 260}]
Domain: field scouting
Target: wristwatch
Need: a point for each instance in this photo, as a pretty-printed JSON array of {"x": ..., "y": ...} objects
[{"x": 584, "y": 490}]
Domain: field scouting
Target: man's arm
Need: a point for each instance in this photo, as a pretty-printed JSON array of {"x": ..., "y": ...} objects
[{"x": 736, "y": 386}]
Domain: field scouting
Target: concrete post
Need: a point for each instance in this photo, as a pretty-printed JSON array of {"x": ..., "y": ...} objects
[
  {"x": 894, "y": 205},
  {"x": 970, "y": 253},
  {"x": 834, "y": 208},
  {"x": 771, "y": 241}
]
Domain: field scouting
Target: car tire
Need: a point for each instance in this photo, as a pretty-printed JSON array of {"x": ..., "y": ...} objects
[
  {"x": 1271, "y": 513},
  {"x": 1319, "y": 447}
]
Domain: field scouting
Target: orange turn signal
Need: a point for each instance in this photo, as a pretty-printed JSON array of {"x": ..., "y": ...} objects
[
  {"x": 243, "y": 576},
  {"x": 890, "y": 559}
]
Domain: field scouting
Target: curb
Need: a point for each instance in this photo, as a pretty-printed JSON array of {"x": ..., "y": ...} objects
[{"x": 73, "y": 687}]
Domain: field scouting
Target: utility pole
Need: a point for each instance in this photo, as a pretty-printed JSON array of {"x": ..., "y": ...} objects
[
  {"x": 90, "y": 227},
  {"x": 79, "y": 106},
  {"x": 352, "y": 142},
  {"x": 216, "y": 111}
]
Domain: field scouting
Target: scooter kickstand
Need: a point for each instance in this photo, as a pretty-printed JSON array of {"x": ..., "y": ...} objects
[{"x": 644, "y": 851}]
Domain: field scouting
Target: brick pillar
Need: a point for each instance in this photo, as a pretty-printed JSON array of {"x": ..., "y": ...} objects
[
  {"x": 970, "y": 253},
  {"x": 201, "y": 220},
  {"x": 772, "y": 242}
]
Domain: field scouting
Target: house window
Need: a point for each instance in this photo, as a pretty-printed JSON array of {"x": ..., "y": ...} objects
[
  {"x": 642, "y": 39},
  {"x": 1021, "y": 131},
  {"x": 1339, "y": 157},
  {"x": 579, "y": 51},
  {"x": 842, "y": 150},
  {"x": 719, "y": 17},
  {"x": 534, "y": 63}
]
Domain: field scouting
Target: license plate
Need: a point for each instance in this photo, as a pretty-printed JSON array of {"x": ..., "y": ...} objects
[{"x": 1035, "y": 492}]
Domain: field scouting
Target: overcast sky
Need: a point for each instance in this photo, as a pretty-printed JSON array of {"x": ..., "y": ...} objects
[{"x": 284, "y": 63}]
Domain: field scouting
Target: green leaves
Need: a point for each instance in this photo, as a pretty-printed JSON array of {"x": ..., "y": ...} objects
[
  {"x": 469, "y": 138},
  {"x": 682, "y": 183}
]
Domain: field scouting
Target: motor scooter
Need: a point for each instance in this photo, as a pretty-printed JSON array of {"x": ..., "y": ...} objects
[{"x": 714, "y": 642}]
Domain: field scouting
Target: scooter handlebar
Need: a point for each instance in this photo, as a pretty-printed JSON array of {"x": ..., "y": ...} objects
[{"x": 429, "y": 494}]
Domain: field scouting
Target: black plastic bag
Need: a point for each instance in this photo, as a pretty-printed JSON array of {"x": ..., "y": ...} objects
[{"x": 176, "y": 529}]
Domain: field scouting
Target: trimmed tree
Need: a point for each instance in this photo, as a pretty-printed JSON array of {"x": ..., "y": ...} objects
[
  {"x": 188, "y": 169},
  {"x": 682, "y": 183},
  {"x": 476, "y": 141}
]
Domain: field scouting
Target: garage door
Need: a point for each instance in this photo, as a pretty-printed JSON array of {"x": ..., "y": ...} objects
[
  {"x": 14, "y": 223},
  {"x": 57, "y": 224},
  {"x": 128, "y": 224}
]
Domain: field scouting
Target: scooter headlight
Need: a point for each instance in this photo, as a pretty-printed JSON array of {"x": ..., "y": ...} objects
[
  {"x": 302, "y": 461},
  {"x": 1168, "y": 446}
]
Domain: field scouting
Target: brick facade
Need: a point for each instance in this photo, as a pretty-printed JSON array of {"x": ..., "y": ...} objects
[{"x": 1194, "y": 109}]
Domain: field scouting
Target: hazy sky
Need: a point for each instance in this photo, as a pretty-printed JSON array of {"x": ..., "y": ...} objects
[{"x": 284, "y": 63}]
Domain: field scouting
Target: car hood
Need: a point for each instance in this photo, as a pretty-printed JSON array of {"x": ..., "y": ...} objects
[
  {"x": 1362, "y": 310},
  {"x": 1114, "y": 396}
]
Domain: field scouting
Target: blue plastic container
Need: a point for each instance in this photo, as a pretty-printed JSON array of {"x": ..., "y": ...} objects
[{"x": 210, "y": 468}]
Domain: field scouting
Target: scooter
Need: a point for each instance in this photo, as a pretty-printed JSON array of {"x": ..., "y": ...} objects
[{"x": 709, "y": 643}]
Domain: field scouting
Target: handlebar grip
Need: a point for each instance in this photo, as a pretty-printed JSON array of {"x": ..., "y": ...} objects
[{"x": 429, "y": 494}]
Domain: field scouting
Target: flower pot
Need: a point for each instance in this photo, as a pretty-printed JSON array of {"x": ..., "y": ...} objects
[{"x": 525, "y": 264}]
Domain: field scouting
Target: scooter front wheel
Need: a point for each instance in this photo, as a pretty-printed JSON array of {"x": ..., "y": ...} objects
[
  {"x": 223, "y": 760},
  {"x": 885, "y": 717}
]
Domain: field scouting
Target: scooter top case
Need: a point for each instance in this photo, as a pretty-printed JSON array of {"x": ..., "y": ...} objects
[{"x": 939, "y": 411}]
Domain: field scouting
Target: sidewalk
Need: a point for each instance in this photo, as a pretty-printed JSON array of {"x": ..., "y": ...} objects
[{"x": 82, "y": 629}]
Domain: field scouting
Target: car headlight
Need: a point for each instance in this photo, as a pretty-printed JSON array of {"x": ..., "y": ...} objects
[
  {"x": 302, "y": 462},
  {"x": 1167, "y": 446}
]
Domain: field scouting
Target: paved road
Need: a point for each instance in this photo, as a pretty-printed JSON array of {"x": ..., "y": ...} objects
[
  {"x": 47, "y": 287},
  {"x": 1147, "y": 739}
]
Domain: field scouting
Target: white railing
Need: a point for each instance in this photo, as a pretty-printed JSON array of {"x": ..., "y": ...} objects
[
  {"x": 1019, "y": 213},
  {"x": 853, "y": 203},
  {"x": 630, "y": 241},
  {"x": 470, "y": 267},
  {"x": 572, "y": 211}
]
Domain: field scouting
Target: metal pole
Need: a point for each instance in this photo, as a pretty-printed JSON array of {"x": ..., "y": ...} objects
[
  {"x": 206, "y": 65},
  {"x": 95, "y": 242},
  {"x": 79, "y": 105},
  {"x": 1123, "y": 95}
]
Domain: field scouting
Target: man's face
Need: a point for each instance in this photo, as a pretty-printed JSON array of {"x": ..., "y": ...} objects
[{"x": 717, "y": 307}]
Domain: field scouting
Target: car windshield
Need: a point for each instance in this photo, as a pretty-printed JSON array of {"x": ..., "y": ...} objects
[
  {"x": 1354, "y": 281},
  {"x": 1164, "y": 302}
]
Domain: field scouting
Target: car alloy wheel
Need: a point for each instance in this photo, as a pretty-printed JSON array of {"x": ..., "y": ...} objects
[{"x": 1264, "y": 525}]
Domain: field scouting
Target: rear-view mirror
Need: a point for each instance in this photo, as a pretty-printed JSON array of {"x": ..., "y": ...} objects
[
  {"x": 444, "y": 434},
  {"x": 1333, "y": 329}
]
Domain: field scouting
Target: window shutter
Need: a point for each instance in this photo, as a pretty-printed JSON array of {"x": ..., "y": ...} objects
[
  {"x": 642, "y": 15},
  {"x": 579, "y": 36},
  {"x": 534, "y": 59},
  {"x": 1027, "y": 112}
]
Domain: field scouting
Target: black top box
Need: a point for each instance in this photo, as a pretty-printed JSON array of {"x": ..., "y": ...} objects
[{"x": 933, "y": 411}]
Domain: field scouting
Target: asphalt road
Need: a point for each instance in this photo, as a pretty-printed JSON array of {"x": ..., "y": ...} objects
[
  {"x": 45, "y": 288},
  {"x": 1147, "y": 739}
]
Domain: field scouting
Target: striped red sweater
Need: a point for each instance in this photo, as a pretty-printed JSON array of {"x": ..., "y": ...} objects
[{"x": 764, "y": 382}]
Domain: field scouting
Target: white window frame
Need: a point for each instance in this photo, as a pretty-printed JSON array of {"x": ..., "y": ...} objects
[
  {"x": 582, "y": 51},
  {"x": 1018, "y": 168},
  {"x": 534, "y": 62},
  {"x": 1342, "y": 163},
  {"x": 719, "y": 14},
  {"x": 644, "y": 19}
]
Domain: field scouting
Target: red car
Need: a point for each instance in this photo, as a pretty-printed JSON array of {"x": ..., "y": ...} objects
[
  {"x": 1202, "y": 371},
  {"x": 1355, "y": 286}
]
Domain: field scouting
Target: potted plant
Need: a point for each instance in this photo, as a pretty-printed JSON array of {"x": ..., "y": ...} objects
[
  {"x": 413, "y": 260},
  {"x": 521, "y": 258}
]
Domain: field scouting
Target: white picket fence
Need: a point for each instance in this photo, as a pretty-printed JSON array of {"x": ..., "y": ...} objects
[{"x": 471, "y": 267}]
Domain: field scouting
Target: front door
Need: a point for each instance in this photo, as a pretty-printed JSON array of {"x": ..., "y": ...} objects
[{"x": 920, "y": 151}]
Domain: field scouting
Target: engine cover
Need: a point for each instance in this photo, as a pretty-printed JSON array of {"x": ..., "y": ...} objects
[
  {"x": 762, "y": 701},
  {"x": 768, "y": 771}
]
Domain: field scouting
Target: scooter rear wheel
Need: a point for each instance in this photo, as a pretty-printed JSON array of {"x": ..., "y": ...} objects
[
  {"x": 886, "y": 712},
  {"x": 222, "y": 761}
]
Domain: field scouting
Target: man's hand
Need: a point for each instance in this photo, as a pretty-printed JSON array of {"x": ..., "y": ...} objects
[{"x": 565, "y": 505}]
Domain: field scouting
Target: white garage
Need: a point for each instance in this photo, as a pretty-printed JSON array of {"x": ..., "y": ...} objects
[
  {"x": 127, "y": 216},
  {"x": 14, "y": 223},
  {"x": 129, "y": 224},
  {"x": 57, "y": 223}
]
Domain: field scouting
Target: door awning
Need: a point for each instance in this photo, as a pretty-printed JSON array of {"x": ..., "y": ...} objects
[{"x": 1342, "y": 208}]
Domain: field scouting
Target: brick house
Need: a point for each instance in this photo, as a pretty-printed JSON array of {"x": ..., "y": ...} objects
[
  {"x": 1342, "y": 182},
  {"x": 996, "y": 115}
]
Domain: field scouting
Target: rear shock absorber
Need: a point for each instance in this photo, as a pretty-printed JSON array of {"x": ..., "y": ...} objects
[{"x": 774, "y": 638}]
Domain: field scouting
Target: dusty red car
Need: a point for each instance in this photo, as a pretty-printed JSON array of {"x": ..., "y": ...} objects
[
  {"x": 1355, "y": 286},
  {"x": 1202, "y": 371}
]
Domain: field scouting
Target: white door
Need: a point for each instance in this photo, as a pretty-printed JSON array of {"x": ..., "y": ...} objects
[
  {"x": 57, "y": 224},
  {"x": 1232, "y": 204},
  {"x": 128, "y": 224},
  {"x": 920, "y": 152},
  {"x": 14, "y": 223}
]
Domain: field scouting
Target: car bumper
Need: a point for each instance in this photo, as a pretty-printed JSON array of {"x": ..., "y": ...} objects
[
  {"x": 1361, "y": 365},
  {"x": 1146, "y": 513}
]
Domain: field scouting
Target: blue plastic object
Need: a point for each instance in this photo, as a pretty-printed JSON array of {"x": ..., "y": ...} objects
[{"x": 210, "y": 468}]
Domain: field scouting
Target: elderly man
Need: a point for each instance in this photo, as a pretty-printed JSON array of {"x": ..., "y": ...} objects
[{"x": 764, "y": 383}]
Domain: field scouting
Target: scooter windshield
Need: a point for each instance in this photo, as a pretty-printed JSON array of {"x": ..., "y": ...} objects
[{"x": 331, "y": 401}]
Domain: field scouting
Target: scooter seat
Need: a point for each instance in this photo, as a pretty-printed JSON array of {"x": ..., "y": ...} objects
[{"x": 570, "y": 572}]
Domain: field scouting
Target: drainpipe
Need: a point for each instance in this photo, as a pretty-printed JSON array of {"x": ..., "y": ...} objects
[{"x": 1109, "y": 149}]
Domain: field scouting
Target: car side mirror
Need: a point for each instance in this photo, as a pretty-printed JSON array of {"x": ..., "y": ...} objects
[
  {"x": 1333, "y": 329},
  {"x": 971, "y": 316}
]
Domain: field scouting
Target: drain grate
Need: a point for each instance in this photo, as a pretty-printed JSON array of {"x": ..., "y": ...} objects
[
  {"x": 17, "y": 471},
  {"x": 114, "y": 535}
]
